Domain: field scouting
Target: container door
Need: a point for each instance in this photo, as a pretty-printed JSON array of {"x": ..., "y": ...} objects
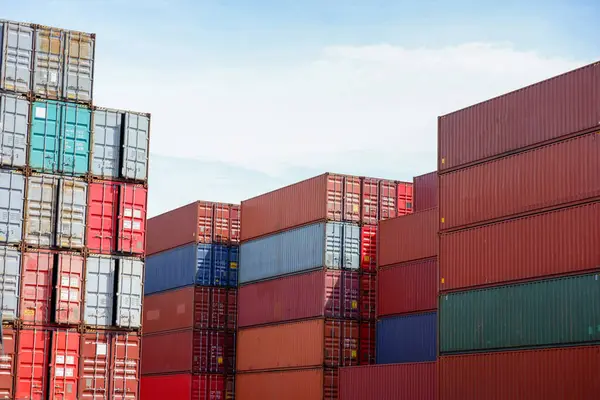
[
  {"x": 132, "y": 219},
  {"x": 370, "y": 201},
  {"x": 99, "y": 291},
  {"x": 7, "y": 365},
  {"x": 36, "y": 296},
  {"x": 333, "y": 294},
  {"x": 94, "y": 363},
  {"x": 350, "y": 281},
  {"x": 351, "y": 247},
  {"x": 48, "y": 64},
  {"x": 76, "y": 122},
  {"x": 217, "y": 308},
  {"x": 41, "y": 210},
  {"x": 68, "y": 289},
  {"x": 405, "y": 198},
  {"x": 221, "y": 259},
  {"x": 102, "y": 217},
  {"x": 10, "y": 278},
  {"x": 72, "y": 200},
  {"x": 231, "y": 309},
  {"x": 12, "y": 193},
  {"x": 32, "y": 364},
  {"x": 234, "y": 257},
  {"x": 368, "y": 297},
  {"x": 79, "y": 66},
  {"x": 45, "y": 132},
  {"x": 64, "y": 369},
  {"x": 209, "y": 387},
  {"x": 125, "y": 366},
  {"x": 14, "y": 120},
  {"x": 129, "y": 293},
  {"x": 209, "y": 351},
  {"x": 368, "y": 256},
  {"x": 135, "y": 147},
  {"x": 222, "y": 223},
  {"x": 343, "y": 246},
  {"x": 203, "y": 306},
  {"x": 205, "y": 222},
  {"x": 367, "y": 343},
  {"x": 205, "y": 265},
  {"x": 16, "y": 56},
  {"x": 387, "y": 200},
  {"x": 235, "y": 221},
  {"x": 107, "y": 143}
]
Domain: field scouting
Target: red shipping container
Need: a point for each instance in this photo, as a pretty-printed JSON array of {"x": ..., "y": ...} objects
[
  {"x": 368, "y": 249},
  {"x": 392, "y": 381},
  {"x": 548, "y": 176},
  {"x": 305, "y": 384},
  {"x": 367, "y": 354},
  {"x": 404, "y": 192},
  {"x": 7, "y": 367},
  {"x": 408, "y": 238},
  {"x": 425, "y": 191},
  {"x": 384, "y": 199},
  {"x": 323, "y": 293},
  {"x": 187, "y": 387},
  {"x": 198, "y": 222},
  {"x": 188, "y": 351},
  {"x": 407, "y": 288},
  {"x": 368, "y": 296},
  {"x": 549, "y": 374},
  {"x": 190, "y": 307},
  {"x": 518, "y": 249},
  {"x": 538, "y": 113}
]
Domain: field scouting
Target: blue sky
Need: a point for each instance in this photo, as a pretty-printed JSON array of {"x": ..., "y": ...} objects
[{"x": 247, "y": 96}]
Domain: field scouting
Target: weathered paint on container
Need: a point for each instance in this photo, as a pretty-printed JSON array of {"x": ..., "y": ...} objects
[
  {"x": 16, "y": 56},
  {"x": 10, "y": 284},
  {"x": 408, "y": 238},
  {"x": 367, "y": 351},
  {"x": 517, "y": 249},
  {"x": 367, "y": 298},
  {"x": 37, "y": 286},
  {"x": 108, "y": 129},
  {"x": 549, "y": 176},
  {"x": 550, "y": 374},
  {"x": 549, "y": 312},
  {"x": 69, "y": 283},
  {"x": 7, "y": 368},
  {"x": 48, "y": 62},
  {"x": 12, "y": 194},
  {"x": 324, "y": 293},
  {"x": 136, "y": 145},
  {"x": 79, "y": 66},
  {"x": 133, "y": 203},
  {"x": 99, "y": 290},
  {"x": 392, "y": 381},
  {"x": 72, "y": 211},
  {"x": 407, "y": 338},
  {"x": 14, "y": 121},
  {"x": 187, "y": 387},
  {"x": 425, "y": 191},
  {"x": 368, "y": 248},
  {"x": 407, "y": 288},
  {"x": 64, "y": 365},
  {"x": 129, "y": 292},
  {"x": 332, "y": 245}
]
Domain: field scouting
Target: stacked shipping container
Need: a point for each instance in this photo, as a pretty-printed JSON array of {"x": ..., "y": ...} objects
[
  {"x": 519, "y": 205},
  {"x": 191, "y": 303},
  {"x": 307, "y": 283}
]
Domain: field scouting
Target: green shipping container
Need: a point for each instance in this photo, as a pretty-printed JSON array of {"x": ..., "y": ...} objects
[{"x": 549, "y": 312}]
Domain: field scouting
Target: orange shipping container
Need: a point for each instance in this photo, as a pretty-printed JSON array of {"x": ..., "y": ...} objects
[{"x": 308, "y": 384}]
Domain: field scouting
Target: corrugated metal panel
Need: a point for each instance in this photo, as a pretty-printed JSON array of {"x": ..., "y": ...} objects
[
  {"x": 32, "y": 364},
  {"x": 68, "y": 288},
  {"x": 410, "y": 338},
  {"x": 187, "y": 387},
  {"x": 14, "y": 120},
  {"x": 518, "y": 249},
  {"x": 133, "y": 200},
  {"x": 64, "y": 365},
  {"x": 551, "y": 374},
  {"x": 103, "y": 204},
  {"x": 368, "y": 242},
  {"x": 12, "y": 193},
  {"x": 379, "y": 200},
  {"x": 289, "y": 385},
  {"x": 16, "y": 56},
  {"x": 367, "y": 353},
  {"x": 541, "y": 313},
  {"x": 99, "y": 290},
  {"x": 75, "y": 133},
  {"x": 106, "y": 149},
  {"x": 48, "y": 62},
  {"x": 548, "y": 176},
  {"x": 136, "y": 146},
  {"x": 547, "y": 110},
  {"x": 79, "y": 66},
  {"x": 72, "y": 210},
  {"x": 41, "y": 210},
  {"x": 394, "y": 381},
  {"x": 368, "y": 296},
  {"x": 219, "y": 263},
  {"x": 331, "y": 245},
  {"x": 172, "y": 229},
  {"x": 407, "y": 288},
  {"x": 10, "y": 284},
  {"x": 425, "y": 191},
  {"x": 45, "y": 134},
  {"x": 7, "y": 367},
  {"x": 126, "y": 360},
  {"x": 94, "y": 376},
  {"x": 408, "y": 238},
  {"x": 404, "y": 191},
  {"x": 129, "y": 292},
  {"x": 36, "y": 290}
]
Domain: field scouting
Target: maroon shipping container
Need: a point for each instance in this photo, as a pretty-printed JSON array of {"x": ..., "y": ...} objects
[
  {"x": 545, "y": 111},
  {"x": 549, "y": 374},
  {"x": 7, "y": 367},
  {"x": 199, "y": 222},
  {"x": 408, "y": 238},
  {"x": 367, "y": 302},
  {"x": 187, "y": 387},
  {"x": 552, "y": 243},
  {"x": 190, "y": 307},
  {"x": 366, "y": 347},
  {"x": 390, "y": 382},
  {"x": 425, "y": 191},
  {"x": 407, "y": 288},
  {"x": 332, "y": 294},
  {"x": 547, "y": 176}
]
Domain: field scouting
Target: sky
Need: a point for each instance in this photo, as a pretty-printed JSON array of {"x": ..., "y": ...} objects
[{"x": 248, "y": 96}]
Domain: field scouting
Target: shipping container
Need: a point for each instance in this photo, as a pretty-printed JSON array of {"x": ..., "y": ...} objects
[
  {"x": 129, "y": 292},
  {"x": 48, "y": 62},
  {"x": 368, "y": 248},
  {"x": 407, "y": 288},
  {"x": 79, "y": 66},
  {"x": 14, "y": 120},
  {"x": 12, "y": 195},
  {"x": 384, "y": 199},
  {"x": 389, "y": 382},
  {"x": 549, "y": 374},
  {"x": 324, "y": 293},
  {"x": 404, "y": 193},
  {"x": 367, "y": 301},
  {"x": 367, "y": 354},
  {"x": 407, "y": 338},
  {"x": 68, "y": 292},
  {"x": 10, "y": 283},
  {"x": 304, "y": 384},
  {"x": 190, "y": 307},
  {"x": 136, "y": 145},
  {"x": 517, "y": 249},
  {"x": 332, "y": 245},
  {"x": 133, "y": 202},
  {"x": 408, "y": 238},
  {"x": 547, "y": 312},
  {"x": 187, "y": 387},
  {"x": 309, "y": 343},
  {"x": 549, "y": 176},
  {"x": 16, "y": 56},
  {"x": 526, "y": 117},
  {"x": 425, "y": 189},
  {"x": 202, "y": 264},
  {"x": 188, "y": 350},
  {"x": 7, "y": 367}
]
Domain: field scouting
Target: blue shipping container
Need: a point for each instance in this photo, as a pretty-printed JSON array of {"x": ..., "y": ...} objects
[
  {"x": 333, "y": 245},
  {"x": 409, "y": 338},
  {"x": 202, "y": 264}
]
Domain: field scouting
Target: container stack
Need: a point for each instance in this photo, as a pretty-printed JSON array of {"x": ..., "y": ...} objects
[
  {"x": 73, "y": 189},
  {"x": 306, "y": 297},
  {"x": 190, "y": 303},
  {"x": 519, "y": 208}
]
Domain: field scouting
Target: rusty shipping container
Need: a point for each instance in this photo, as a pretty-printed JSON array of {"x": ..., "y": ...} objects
[
  {"x": 548, "y": 176},
  {"x": 425, "y": 191},
  {"x": 408, "y": 238},
  {"x": 388, "y": 382},
  {"x": 538, "y": 113},
  {"x": 517, "y": 249},
  {"x": 549, "y": 374},
  {"x": 304, "y": 384}
]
